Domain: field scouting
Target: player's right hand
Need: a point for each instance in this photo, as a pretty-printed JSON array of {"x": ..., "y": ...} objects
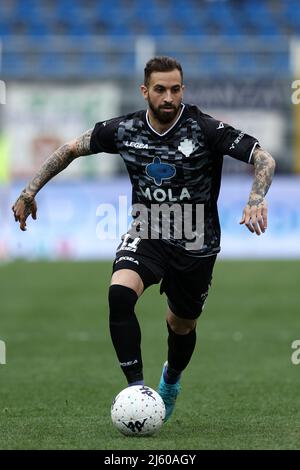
[
  {"x": 255, "y": 217},
  {"x": 23, "y": 207}
]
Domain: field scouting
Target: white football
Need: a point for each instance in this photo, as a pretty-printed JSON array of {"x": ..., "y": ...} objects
[{"x": 138, "y": 411}]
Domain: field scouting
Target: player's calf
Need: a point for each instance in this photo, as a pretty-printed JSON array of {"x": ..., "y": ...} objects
[{"x": 125, "y": 332}]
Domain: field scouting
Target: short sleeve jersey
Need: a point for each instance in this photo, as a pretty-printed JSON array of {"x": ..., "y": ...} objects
[{"x": 180, "y": 167}]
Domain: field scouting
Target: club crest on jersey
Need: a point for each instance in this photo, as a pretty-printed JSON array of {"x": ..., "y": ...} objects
[
  {"x": 186, "y": 147},
  {"x": 159, "y": 171}
]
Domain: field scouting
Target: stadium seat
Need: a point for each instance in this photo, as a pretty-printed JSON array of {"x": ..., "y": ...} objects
[{"x": 117, "y": 20}]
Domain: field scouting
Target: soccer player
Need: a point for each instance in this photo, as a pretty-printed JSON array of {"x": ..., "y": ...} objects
[{"x": 173, "y": 153}]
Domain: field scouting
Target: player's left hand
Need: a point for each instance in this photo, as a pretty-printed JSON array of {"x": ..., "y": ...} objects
[
  {"x": 23, "y": 207},
  {"x": 255, "y": 217}
]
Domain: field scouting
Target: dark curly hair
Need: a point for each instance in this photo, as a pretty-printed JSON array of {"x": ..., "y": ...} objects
[{"x": 161, "y": 64}]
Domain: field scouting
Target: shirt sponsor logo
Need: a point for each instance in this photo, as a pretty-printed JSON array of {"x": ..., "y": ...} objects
[
  {"x": 161, "y": 195},
  {"x": 159, "y": 171},
  {"x": 136, "y": 145}
]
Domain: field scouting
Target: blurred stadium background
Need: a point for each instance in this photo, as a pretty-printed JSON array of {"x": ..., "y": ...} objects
[{"x": 66, "y": 64}]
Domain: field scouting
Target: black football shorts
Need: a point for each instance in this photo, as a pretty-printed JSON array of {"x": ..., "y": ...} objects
[{"x": 185, "y": 279}]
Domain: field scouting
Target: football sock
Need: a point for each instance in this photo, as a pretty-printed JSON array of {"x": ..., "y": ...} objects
[
  {"x": 180, "y": 350},
  {"x": 125, "y": 332},
  {"x": 137, "y": 382},
  {"x": 171, "y": 376}
]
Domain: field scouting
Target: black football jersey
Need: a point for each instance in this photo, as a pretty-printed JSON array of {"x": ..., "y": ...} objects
[{"x": 179, "y": 169}]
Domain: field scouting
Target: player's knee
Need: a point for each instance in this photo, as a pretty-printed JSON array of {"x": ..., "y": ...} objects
[
  {"x": 121, "y": 301},
  {"x": 182, "y": 329},
  {"x": 128, "y": 278},
  {"x": 180, "y": 326}
]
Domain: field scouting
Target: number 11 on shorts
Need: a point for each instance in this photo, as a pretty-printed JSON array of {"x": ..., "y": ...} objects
[{"x": 130, "y": 246}]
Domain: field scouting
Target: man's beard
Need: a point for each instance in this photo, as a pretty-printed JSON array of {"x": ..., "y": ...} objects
[{"x": 162, "y": 116}]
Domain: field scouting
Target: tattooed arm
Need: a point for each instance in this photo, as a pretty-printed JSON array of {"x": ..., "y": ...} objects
[
  {"x": 58, "y": 161},
  {"x": 256, "y": 212}
]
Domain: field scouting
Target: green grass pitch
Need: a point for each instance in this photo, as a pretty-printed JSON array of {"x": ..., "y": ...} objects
[{"x": 241, "y": 390}]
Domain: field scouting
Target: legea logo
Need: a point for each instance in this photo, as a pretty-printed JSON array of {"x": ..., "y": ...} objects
[
  {"x": 136, "y": 145},
  {"x": 2, "y": 352}
]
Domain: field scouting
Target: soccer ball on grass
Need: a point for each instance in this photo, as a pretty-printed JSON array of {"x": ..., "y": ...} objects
[{"x": 138, "y": 411}]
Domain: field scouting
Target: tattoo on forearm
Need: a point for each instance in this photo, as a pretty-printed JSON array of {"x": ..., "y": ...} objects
[
  {"x": 59, "y": 160},
  {"x": 83, "y": 144},
  {"x": 264, "y": 166}
]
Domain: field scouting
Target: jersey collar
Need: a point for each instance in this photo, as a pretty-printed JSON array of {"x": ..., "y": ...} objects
[{"x": 167, "y": 131}]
